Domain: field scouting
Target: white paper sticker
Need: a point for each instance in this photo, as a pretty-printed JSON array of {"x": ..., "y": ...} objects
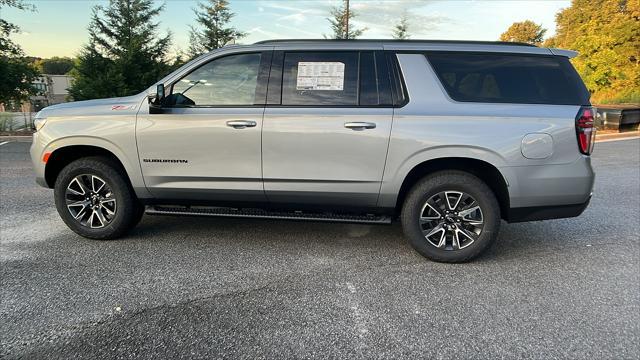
[{"x": 320, "y": 76}]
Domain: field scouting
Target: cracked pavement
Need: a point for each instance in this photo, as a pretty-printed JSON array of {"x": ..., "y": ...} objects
[{"x": 235, "y": 288}]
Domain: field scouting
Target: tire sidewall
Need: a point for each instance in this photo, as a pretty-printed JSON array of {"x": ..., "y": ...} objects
[
  {"x": 109, "y": 173},
  {"x": 454, "y": 181}
]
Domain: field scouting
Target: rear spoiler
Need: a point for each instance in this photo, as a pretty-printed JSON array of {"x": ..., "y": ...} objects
[{"x": 566, "y": 53}]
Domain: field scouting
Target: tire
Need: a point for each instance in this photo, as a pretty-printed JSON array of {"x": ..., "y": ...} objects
[
  {"x": 105, "y": 214},
  {"x": 462, "y": 232}
]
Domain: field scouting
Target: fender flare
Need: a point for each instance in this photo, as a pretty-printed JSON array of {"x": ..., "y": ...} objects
[
  {"x": 131, "y": 166},
  {"x": 394, "y": 179}
]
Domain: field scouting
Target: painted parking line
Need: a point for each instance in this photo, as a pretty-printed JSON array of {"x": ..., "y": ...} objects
[{"x": 4, "y": 143}]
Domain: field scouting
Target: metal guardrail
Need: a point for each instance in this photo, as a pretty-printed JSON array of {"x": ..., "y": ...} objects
[
  {"x": 16, "y": 121},
  {"x": 621, "y": 118}
]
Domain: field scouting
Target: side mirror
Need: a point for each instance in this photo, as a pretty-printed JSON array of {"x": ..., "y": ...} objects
[
  {"x": 160, "y": 92},
  {"x": 156, "y": 100}
]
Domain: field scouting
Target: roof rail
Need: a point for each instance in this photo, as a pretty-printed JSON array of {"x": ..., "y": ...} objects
[{"x": 470, "y": 42}]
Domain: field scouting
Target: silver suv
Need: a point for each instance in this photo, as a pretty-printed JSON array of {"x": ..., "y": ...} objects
[{"x": 448, "y": 137}]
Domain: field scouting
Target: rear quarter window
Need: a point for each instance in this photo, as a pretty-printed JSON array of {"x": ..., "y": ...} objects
[{"x": 509, "y": 78}]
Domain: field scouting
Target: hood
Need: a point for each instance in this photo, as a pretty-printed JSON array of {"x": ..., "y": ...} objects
[{"x": 111, "y": 106}]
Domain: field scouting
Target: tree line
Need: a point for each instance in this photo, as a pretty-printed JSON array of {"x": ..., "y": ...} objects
[
  {"x": 606, "y": 35},
  {"x": 126, "y": 51}
]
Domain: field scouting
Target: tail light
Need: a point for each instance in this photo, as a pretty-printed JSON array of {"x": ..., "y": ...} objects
[{"x": 585, "y": 129}]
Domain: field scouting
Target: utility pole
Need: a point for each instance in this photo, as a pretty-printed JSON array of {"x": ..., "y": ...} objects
[{"x": 346, "y": 35}]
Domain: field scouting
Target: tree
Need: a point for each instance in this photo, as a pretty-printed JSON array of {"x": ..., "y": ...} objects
[
  {"x": 179, "y": 59},
  {"x": 125, "y": 53},
  {"x": 525, "y": 32},
  {"x": 55, "y": 65},
  {"x": 213, "y": 34},
  {"x": 339, "y": 20},
  {"x": 606, "y": 34},
  {"x": 95, "y": 76},
  {"x": 401, "y": 30},
  {"x": 17, "y": 71}
]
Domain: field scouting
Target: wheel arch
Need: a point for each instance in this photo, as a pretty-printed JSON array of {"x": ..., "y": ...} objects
[
  {"x": 65, "y": 155},
  {"x": 484, "y": 170}
]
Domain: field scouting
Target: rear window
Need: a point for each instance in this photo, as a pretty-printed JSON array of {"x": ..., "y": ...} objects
[{"x": 510, "y": 78}]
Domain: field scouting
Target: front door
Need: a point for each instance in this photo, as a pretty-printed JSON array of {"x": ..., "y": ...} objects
[
  {"x": 325, "y": 138},
  {"x": 206, "y": 145}
]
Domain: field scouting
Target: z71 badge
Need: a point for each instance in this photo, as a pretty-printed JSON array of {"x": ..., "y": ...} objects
[{"x": 122, "y": 107}]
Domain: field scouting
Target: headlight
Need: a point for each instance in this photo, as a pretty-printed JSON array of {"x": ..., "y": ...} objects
[{"x": 39, "y": 121}]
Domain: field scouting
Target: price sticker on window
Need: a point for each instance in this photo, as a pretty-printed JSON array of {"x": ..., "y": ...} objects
[{"x": 320, "y": 76}]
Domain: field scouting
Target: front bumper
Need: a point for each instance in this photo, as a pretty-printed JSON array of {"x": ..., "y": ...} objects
[{"x": 36, "y": 152}]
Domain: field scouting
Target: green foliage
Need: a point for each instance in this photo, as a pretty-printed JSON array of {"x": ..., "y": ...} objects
[
  {"x": 606, "y": 33},
  {"x": 17, "y": 75},
  {"x": 55, "y": 65},
  {"x": 401, "y": 30},
  {"x": 95, "y": 76},
  {"x": 340, "y": 17},
  {"x": 17, "y": 71},
  {"x": 178, "y": 60},
  {"x": 125, "y": 53},
  {"x": 525, "y": 32},
  {"x": 212, "y": 18}
]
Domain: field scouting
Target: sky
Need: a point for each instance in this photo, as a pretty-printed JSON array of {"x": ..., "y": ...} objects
[{"x": 59, "y": 27}]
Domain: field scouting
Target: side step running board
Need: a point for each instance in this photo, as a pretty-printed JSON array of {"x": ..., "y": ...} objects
[{"x": 263, "y": 214}]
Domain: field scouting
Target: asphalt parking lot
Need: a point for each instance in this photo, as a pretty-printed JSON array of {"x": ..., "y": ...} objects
[{"x": 231, "y": 288}]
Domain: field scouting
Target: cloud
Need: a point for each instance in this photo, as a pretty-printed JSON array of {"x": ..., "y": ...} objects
[
  {"x": 295, "y": 12},
  {"x": 298, "y": 30},
  {"x": 378, "y": 16},
  {"x": 381, "y": 16},
  {"x": 315, "y": 7},
  {"x": 267, "y": 33},
  {"x": 298, "y": 17}
]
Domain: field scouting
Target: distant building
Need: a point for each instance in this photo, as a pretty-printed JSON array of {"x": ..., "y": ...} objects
[{"x": 52, "y": 90}]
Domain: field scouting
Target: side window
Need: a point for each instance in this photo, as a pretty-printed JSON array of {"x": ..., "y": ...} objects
[
  {"x": 369, "y": 89},
  {"x": 320, "y": 78},
  {"x": 230, "y": 80},
  {"x": 511, "y": 78}
]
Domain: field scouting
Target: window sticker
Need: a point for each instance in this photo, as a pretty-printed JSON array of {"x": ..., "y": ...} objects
[{"x": 320, "y": 76}]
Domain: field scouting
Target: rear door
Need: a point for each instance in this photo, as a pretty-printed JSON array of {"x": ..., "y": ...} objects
[{"x": 326, "y": 127}]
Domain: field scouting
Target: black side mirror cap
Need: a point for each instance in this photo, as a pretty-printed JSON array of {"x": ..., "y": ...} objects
[
  {"x": 160, "y": 92},
  {"x": 156, "y": 100}
]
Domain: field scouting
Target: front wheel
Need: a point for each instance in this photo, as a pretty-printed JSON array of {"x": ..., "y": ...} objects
[
  {"x": 94, "y": 199},
  {"x": 451, "y": 216}
]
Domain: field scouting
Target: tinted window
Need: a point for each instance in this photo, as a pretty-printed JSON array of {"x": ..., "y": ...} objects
[
  {"x": 399, "y": 96},
  {"x": 230, "y": 80},
  {"x": 369, "y": 92},
  {"x": 509, "y": 78},
  {"x": 329, "y": 78}
]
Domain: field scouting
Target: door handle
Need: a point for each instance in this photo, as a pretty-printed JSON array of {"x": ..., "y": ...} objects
[
  {"x": 357, "y": 125},
  {"x": 241, "y": 124}
]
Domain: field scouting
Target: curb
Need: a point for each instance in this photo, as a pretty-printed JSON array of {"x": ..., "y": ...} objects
[
  {"x": 618, "y": 136},
  {"x": 13, "y": 138}
]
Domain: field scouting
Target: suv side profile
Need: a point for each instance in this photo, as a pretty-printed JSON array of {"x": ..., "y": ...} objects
[{"x": 448, "y": 137}]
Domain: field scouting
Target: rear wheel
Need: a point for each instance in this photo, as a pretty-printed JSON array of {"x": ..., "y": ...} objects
[
  {"x": 451, "y": 216},
  {"x": 94, "y": 199}
]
